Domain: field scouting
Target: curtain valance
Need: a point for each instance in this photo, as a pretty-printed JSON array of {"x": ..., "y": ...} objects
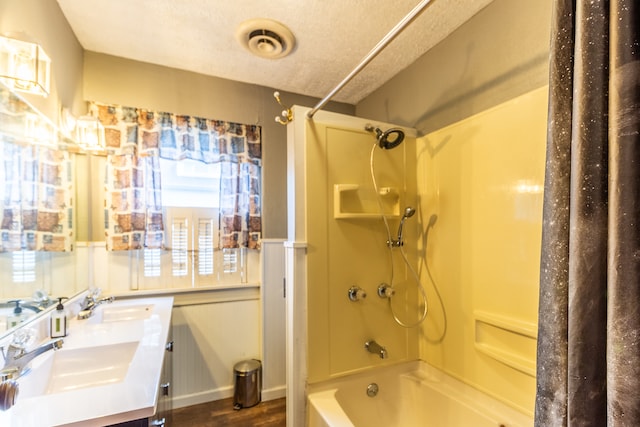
[
  {"x": 177, "y": 137},
  {"x": 138, "y": 133}
]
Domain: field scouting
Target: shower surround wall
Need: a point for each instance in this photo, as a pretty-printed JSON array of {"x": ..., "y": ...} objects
[
  {"x": 337, "y": 240},
  {"x": 483, "y": 177},
  {"x": 477, "y": 185}
]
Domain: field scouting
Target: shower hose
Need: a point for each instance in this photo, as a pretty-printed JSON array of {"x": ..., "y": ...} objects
[{"x": 414, "y": 274}]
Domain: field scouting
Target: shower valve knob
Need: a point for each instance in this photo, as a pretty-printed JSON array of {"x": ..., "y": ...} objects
[
  {"x": 356, "y": 293},
  {"x": 385, "y": 291}
]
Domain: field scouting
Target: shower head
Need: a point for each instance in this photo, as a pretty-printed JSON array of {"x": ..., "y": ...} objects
[
  {"x": 388, "y": 139},
  {"x": 432, "y": 220},
  {"x": 408, "y": 213}
]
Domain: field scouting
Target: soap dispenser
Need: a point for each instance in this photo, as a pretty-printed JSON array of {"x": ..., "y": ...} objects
[
  {"x": 59, "y": 321},
  {"x": 17, "y": 316}
]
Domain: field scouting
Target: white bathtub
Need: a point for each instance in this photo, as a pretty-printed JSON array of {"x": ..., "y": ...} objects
[{"x": 409, "y": 395}]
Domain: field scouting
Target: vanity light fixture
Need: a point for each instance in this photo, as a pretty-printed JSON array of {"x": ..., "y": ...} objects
[
  {"x": 24, "y": 66},
  {"x": 38, "y": 130},
  {"x": 90, "y": 133}
]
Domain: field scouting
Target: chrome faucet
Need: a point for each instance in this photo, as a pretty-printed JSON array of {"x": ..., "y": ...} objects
[
  {"x": 375, "y": 348},
  {"x": 91, "y": 302},
  {"x": 16, "y": 358}
]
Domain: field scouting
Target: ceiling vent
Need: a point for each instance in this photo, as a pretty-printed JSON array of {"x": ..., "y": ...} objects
[{"x": 265, "y": 38}]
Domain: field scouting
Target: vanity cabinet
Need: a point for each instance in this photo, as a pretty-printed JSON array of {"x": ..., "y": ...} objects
[
  {"x": 126, "y": 343},
  {"x": 162, "y": 418},
  {"x": 136, "y": 423}
]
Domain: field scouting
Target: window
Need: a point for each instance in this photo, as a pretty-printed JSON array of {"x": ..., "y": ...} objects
[
  {"x": 138, "y": 138},
  {"x": 152, "y": 259},
  {"x": 192, "y": 258},
  {"x": 230, "y": 260},
  {"x": 205, "y": 246},
  {"x": 189, "y": 183},
  {"x": 185, "y": 185},
  {"x": 179, "y": 246},
  {"x": 24, "y": 266}
]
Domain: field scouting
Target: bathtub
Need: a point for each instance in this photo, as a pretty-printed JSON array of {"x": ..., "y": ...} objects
[{"x": 412, "y": 394}]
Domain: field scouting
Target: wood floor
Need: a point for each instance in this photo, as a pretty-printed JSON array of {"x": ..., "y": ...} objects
[{"x": 221, "y": 413}]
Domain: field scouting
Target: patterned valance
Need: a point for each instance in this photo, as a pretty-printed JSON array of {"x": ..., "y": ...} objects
[
  {"x": 144, "y": 133},
  {"x": 177, "y": 137}
]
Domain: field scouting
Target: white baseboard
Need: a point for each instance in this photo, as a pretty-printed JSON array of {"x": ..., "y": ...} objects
[
  {"x": 221, "y": 393},
  {"x": 274, "y": 393},
  {"x": 202, "y": 397}
]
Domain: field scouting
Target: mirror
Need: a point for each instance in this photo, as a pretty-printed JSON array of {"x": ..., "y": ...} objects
[{"x": 32, "y": 280}]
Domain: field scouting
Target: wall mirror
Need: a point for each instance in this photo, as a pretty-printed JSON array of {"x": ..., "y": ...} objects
[{"x": 43, "y": 229}]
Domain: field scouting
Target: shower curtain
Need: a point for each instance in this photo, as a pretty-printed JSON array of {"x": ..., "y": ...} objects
[{"x": 588, "y": 371}]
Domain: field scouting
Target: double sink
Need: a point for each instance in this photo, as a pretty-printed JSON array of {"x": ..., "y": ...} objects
[{"x": 106, "y": 372}]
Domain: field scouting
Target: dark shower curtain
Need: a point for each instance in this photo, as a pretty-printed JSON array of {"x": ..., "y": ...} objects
[{"x": 588, "y": 371}]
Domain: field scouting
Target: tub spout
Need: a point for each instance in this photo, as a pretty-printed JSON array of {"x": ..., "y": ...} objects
[{"x": 375, "y": 348}]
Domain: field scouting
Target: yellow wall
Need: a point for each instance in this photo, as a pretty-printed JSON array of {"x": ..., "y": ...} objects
[
  {"x": 483, "y": 178},
  {"x": 484, "y": 246},
  {"x": 352, "y": 250}
]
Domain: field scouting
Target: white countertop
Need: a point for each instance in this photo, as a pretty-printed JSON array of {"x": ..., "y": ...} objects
[{"x": 108, "y": 403}]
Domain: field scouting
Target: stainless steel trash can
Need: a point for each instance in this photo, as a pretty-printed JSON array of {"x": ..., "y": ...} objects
[{"x": 248, "y": 383}]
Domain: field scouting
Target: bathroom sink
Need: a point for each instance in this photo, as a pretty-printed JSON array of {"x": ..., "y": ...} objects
[
  {"x": 66, "y": 370},
  {"x": 127, "y": 312},
  {"x": 121, "y": 313},
  {"x": 107, "y": 371}
]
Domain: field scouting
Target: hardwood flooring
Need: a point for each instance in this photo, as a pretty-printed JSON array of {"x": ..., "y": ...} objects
[{"x": 221, "y": 413}]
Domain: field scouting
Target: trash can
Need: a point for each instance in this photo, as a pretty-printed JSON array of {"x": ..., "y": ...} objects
[{"x": 248, "y": 383}]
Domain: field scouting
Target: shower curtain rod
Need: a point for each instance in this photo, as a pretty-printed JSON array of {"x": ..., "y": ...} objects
[{"x": 372, "y": 54}]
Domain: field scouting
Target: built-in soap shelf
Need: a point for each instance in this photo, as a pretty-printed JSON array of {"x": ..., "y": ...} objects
[
  {"x": 507, "y": 340},
  {"x": 351, "y": 201}
]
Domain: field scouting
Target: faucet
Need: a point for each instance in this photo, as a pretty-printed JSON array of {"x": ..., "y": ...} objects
[
  {"x": 375, "y": 348},
  {"x": 91, "y": 302},
  {"x": 16, "y": 359},
  {"x": 21, "y": 304}
]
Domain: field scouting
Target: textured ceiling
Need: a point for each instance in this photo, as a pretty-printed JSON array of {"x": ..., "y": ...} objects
[{"x": 332, "y": 37}]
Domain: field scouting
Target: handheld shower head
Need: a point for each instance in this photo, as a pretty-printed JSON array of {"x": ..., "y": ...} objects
[
  {"x": 408, "y": 213},
  {"x": 388, "y": 139}
]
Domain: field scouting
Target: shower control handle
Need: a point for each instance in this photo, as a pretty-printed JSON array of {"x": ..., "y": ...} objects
[
  {"x": 386, "y": 291},
  {"x": 356, "y": 293}
]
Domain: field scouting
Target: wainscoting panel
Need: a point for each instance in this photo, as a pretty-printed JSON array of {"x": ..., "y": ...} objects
[
  {"x": 209, "y": 339},
  {"x": 274, "y": 316}
]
